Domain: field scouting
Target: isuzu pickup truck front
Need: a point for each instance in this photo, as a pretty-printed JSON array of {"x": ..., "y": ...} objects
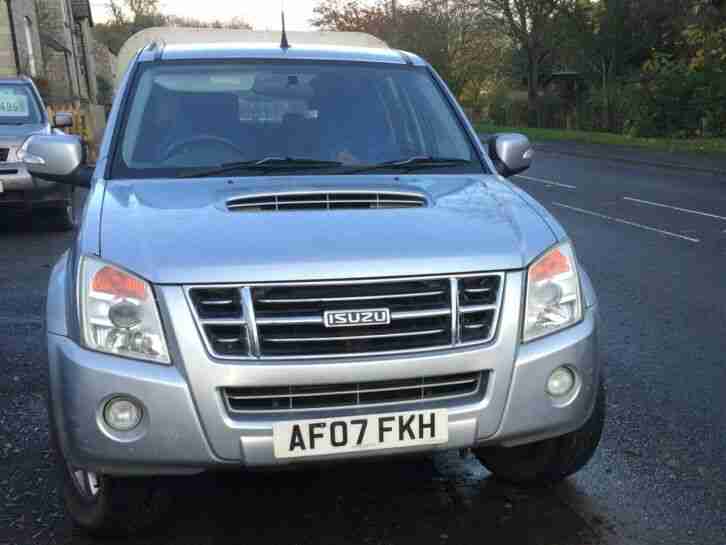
[{"x": 303, "y": 255}]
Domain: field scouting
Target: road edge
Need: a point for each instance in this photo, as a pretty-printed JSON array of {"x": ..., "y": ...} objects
[{"x": 538, "y": 146}]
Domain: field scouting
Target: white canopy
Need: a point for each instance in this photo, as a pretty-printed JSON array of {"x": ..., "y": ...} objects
[{"x": 181, "y": 35}]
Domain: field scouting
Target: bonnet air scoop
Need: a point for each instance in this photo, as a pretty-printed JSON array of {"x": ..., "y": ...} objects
[{"x": 328, "y": 200}]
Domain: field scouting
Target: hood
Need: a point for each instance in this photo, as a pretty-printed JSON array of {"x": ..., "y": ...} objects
[
  {"x": 15, "y": 135},
  {"x": 180, "y": 231}
]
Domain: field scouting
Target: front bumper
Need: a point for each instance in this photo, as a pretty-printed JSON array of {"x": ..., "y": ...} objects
[
  {"x": 21, "y": 190},
  {"x": 187, "y": 431}
]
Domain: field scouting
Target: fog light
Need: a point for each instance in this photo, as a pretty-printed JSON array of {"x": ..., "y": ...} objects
[
  {"x": 122, "y": 414},
  {"x": 561, "y": 382}
]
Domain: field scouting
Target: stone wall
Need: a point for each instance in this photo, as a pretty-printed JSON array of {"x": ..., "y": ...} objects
[
  {"x": 105, "y": 71},
  {"x": 86, "y": 59},
  {"x": 7, "y": 56},
  {"x": 26, "y": 25},
  {"x": 65, "y": 80}
]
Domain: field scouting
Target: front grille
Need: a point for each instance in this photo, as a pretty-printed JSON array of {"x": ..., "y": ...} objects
[
  {"x": 478, "y": 300},
  {"x": 289, "y": 318},
  {"x": 327, "y": 396},
  {"x": 282, "y": 321},
  {"x": 219, "y": 311},
  {"x": 324, "y": 201},
  {"x": 4, "y": 154}
]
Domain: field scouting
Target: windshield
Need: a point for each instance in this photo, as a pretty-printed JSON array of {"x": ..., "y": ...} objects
[
  {"x": 329, "y": 117},
  {"x": 18, "y": 106}
]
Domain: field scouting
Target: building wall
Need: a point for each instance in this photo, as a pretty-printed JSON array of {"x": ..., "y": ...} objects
[
  {"x": 7, "y": 56},
  {"x": 28, "y": 40},
  {"x": 105, "y": 62},
  {"x": 64, "y": 78},
  {"x": 83, "y": 41}
]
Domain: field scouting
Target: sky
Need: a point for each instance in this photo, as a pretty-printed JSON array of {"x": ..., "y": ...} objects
[{"x": 261, "y": 14}]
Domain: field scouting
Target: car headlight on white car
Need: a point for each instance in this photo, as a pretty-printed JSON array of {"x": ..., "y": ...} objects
[
  {"x": 119, "y": 315},
  {"x": 554, "y": 301}
]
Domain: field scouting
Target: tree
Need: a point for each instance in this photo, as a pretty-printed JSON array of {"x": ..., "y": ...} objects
[
  {"x": 131, "y": 16},
  {"x": 127, "y": 18},
  {"x": 532, "y": 24},
  {"x": 190, "y": 22},
  {"x": 450, "y": 34}
]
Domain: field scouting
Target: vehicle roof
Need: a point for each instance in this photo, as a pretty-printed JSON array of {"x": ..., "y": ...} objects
[
  {"x": 195, "y": 43},
  {"x": 273, "y": 51},
  {"x": 16, "y": 80}
]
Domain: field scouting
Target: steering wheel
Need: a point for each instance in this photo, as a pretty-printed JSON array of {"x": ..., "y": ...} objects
[{"x": 173, "y": 148}]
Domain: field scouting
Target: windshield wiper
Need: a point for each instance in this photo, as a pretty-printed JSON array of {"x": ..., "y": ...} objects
[
  {"x": 266, "y": 164},
  {"x": 412, "y": 163}
]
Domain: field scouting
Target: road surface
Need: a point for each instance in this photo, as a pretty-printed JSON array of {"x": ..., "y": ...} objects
[{"x": 654, "y": 242}]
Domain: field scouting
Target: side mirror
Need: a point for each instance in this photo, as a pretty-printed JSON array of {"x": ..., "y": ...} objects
[
  {"x": 57, "y": 158},
  {"x": 511, "y": 153},
  {"x": 63, "y": 120}
]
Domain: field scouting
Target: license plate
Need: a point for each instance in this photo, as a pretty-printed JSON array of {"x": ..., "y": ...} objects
[{"x": 327, "y": 436}]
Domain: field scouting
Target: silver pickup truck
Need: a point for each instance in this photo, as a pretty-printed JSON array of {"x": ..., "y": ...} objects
[
  {"x": 22, "y": 114},
  {"x": 299, "y": 255}
]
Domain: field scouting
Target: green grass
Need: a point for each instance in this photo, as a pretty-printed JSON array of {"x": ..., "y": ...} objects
[{"x": 697, "y": 145}]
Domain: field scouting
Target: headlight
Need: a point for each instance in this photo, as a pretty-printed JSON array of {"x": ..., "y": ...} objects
[
  {"x": 119, "y": 314},
  {"x": 553, "y": 293}
]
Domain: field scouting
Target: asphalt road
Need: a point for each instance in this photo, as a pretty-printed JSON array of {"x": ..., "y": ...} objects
[{"x": 659, "y": 476}]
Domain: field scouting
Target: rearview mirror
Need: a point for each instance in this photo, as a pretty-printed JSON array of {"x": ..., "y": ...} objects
[
  {"x": 511, "y": 153},
  {"x": 63, "y": 120},
  {"x": 57, "y": 158}
]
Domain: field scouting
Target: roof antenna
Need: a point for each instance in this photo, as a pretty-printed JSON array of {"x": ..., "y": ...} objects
[{"x": 284, "y": 44}]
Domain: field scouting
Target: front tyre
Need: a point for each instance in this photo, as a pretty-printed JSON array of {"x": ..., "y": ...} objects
[
  {"x": 108, "y": 506},
  {"x": 549, "y": 461}
]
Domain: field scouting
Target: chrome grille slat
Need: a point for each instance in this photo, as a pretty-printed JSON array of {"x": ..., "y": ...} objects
[
  {"x": 276, "y": 399},
  {"x": 413, "y": 314},
  {"x": 355, "y": 389},
  {"x": 279, "y": 321},
  {"x": 289, "y": 320},
  {"x": 222, "y": 321},
  {"x": 353, "y": 337},
  {"x": 228, "y": 340},
  {"x": 340, "y": 299},
  {"x": 476, "y": 308},
  {"x": 272, "y": 320},
  {"x": 216, "y": 303}
]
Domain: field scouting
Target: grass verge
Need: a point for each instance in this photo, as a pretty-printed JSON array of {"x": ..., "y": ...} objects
[{"x": 693, "y": 145}]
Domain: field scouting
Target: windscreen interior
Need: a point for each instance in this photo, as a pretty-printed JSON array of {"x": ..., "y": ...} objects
[{"x": 206, "y": 114}]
